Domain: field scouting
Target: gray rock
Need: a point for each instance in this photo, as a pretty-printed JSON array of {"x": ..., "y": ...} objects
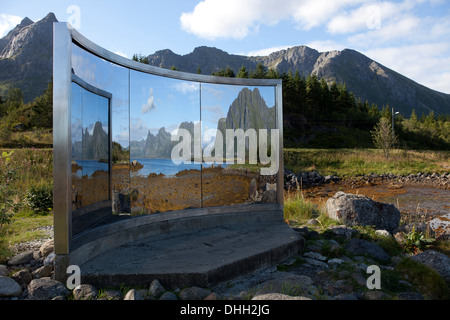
[
  {"x": 441, "y": 226},
  {"x": 278, "y": 296},
  {"x": 341, "y": 232},
  {"x": 46, "y": 289},
  {"x": 22, "y": 277},
  {"x": 133, "y": 294},
  {"x": 345, "y": 296},
  {"x": 42, "y": 272},
  {"x": 436, "y": 261},
  {"x": 374, "y": 295},
  {"x": 291, "y": 283},
  {"x": 363, "y": 247},
  {"x": 109, "y": 294},
  {"x": 316, "y": 263},
  {"x": 21, "y": 258},
  {"x": 315, "y": 256},
  {"x": 351, "y": 210},
  {"x": 335, "y": 262},
  {"x": 9, "y": 287},
  {"x": 410, "y": 296},
  {"x": 194, "y": 293},
  {"x": 46, "y": 248},
  {"x": 3, "y": 270},
  {"x": 49, "y": 260},
  {"x": 85, "y": 292},
  {"x": 156, "y": 289},
  {"x": 168, "y": 296}
]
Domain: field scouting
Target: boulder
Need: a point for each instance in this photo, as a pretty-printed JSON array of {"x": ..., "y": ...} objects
[
  {"x": 46, "y": 248},
  {"x": 85, "y": 292},
  {"x": 436, "y": 261},
  {"x": 363, "y": 247},
  {"x": 352, "y": 210},
  {"x": 3, "y": 270},
  {"x": 441, "y": 226},
  {"x": 9, "y": 287},
  {"x": 46, "y": 289},
  {"x": 194, "y": 293},
  {"x": 21, "y": 258},
  {"x": 156, "y": 289},
  {"x": 22, "y": 277},
  {"x": 133, "y": 294}
]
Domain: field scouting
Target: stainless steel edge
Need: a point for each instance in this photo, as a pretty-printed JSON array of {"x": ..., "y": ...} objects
[{"x": 62, "y": 179}]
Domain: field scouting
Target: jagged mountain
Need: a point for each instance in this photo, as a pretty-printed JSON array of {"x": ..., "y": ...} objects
[
  {"x": 26, "y": 57},
  {"x": 249, "y": 110},
  {"x": 366, "y": 78}
]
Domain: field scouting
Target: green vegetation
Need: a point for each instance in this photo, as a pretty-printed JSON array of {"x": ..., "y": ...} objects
[
  {"x": 26, "y": 125},
  {"x": 353, "y": 162},
  {"x": 24, "y": 174}
]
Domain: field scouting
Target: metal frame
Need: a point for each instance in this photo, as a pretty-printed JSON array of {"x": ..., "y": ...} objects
[{"x": 64, "y": 36}]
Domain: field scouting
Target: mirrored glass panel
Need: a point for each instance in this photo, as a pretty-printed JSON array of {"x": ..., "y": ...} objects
[
  {"x": 164, "y": 144},
  {"x": 115, "y": 80},
  {"x": 237, "y": 136},
  {"x": 90, "y": 147}
]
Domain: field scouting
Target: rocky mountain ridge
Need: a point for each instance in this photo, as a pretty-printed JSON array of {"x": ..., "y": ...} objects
[{"x": 26, "y": 57}]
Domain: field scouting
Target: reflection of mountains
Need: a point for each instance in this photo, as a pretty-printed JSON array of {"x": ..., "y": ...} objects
[
  {"x": 93, "y": 146},
  {"x": 248, "y": 110}
]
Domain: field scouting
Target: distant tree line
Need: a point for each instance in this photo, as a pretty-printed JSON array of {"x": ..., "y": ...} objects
[{"x": 339, "y": 119}]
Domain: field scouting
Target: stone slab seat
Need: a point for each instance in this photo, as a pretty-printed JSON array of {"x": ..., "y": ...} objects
[{"x": 194, "y": 251}]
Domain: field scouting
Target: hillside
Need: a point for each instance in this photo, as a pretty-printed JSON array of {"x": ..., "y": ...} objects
[{"x": 26, "y": 57}]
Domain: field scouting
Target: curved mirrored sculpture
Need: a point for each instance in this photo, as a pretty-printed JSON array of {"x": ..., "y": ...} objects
[{"x": 137, "y": 146}]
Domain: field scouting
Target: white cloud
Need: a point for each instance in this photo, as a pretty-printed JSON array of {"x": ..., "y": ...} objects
[
  {"x": 186, "y": 87},
  {"x": 267, "y": 51},
  {"x": 212, "y": 19},
  {"x": 150, "y": 105},
  {"x": 8, "y": 22},
  {"x": 433, "y": 72}
]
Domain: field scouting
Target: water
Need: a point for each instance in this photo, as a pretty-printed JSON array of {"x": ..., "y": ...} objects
[
  {"x": 166, "y": 167},
  {"x": 90, "y": 166}
]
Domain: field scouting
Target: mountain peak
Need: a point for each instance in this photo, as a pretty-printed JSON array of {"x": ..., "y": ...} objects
[{"x": 25, "y": 22}]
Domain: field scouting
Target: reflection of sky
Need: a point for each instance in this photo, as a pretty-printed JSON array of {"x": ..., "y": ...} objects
[
  {"x": 111, "y": 78},
  {"x": 158, "y": 102}
]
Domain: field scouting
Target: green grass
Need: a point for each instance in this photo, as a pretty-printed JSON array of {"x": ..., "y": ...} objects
[
  {"x": 32, "y": 167},
  {"x": 353, "y": 162},
  {"x": 297, "y": 209}
]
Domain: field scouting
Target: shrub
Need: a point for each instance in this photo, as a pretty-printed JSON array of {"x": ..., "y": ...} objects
[{"x": 40, "y": 198}]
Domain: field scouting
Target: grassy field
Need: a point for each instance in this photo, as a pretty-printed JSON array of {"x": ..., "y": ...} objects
[{"x": 353, "y": 162}]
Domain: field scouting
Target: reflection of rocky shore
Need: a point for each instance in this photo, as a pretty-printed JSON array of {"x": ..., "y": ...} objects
[
  {"x": 219, "y": 186},
  {"x": 89, "y": 190}
]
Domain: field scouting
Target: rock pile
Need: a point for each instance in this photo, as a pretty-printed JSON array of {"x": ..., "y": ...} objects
[
  {"x": 306, "y": 179},
  {"x": 294, "y": 181}
]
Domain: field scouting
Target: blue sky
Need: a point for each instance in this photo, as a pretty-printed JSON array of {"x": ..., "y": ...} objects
[{"x": 409, "y": 36}]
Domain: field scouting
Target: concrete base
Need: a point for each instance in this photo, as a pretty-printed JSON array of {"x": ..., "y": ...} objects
[{"x": 202, "y": 257}]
